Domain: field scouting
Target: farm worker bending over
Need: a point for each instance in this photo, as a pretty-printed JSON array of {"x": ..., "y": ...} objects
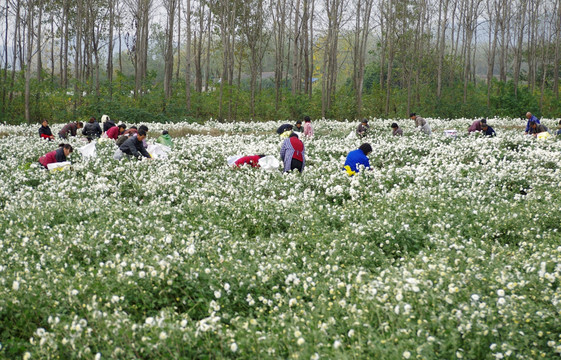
[
  {"x": 55, "y": 156},
  {"x": 92, "y": 129},
  {"x": 128, "y": 133},
  {"x": 420, "y": 124},
  {"x": 252, "y": 160},
  {"x": 115, "y": 131},
  {"x": 107, "y": 123},
  {"x": 396, "y": 130},
  {"x": 45, "y": 131},
  {"x": 487, "y": 130},
  {"x": 285, "y": 130},
  {"x": 362, "y": 128},
  {"x": 133, "y": 147},
  {"x": 536, "y": 128},
  {"x": 308, "y": 130},
  {"x": 531, "y": 118},
  {"x": 292, "y": 153},
  {"x": 145, "y": 129},
  {"x": 72, "y": 128},
  {"x": 476, "y": 125},
  {"x": 558, "y": 128},
  {"x": 356, "y": 158},
  {"x": 165, "y": 139}
]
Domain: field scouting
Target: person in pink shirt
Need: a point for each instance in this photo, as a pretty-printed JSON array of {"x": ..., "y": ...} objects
[
  {"x": 308, "y": 130},
  {"x": 115, "y": 131}
]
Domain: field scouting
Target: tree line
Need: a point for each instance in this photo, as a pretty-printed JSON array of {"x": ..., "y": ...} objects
[{"x": 271, "y": 59}]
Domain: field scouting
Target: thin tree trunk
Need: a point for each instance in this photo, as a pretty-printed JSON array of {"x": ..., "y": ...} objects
[{"x": 188, "y": 57}]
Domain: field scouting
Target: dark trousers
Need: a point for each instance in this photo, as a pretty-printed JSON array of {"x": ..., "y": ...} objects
[{"x": 296, "y": 164}]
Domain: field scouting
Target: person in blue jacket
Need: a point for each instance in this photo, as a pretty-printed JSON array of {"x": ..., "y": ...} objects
[
  {"x": 531, "y": 118},
  {"x": 356, "y": 158}
]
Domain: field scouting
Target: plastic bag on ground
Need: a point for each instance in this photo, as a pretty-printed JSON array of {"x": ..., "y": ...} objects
[
  {"x": 231, "y": 160},
  {"x": 351, "y": 136},
  {"x": 158, "y": 151},
  {"x": 269, "y": 163},
  {"x": 58, "y": 166},
  {"x": 543, "y": 135},
  {"x": 88, "y": 151},
  {"x": 451, "y": 133}
]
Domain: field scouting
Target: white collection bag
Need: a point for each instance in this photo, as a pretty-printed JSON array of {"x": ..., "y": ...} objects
[
  {"x": 269, "y": 163},
  {"x": 88, "y": 151},
  {"x": 231, "y": 160},
  {"x": 158, "y": 151},
  {"x": 58, "y": 166}
]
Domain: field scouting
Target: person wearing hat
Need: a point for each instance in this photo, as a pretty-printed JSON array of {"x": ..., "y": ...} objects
[
  {"x": 356, "y": 158},
  {"x": 487, "y": 130},
  {"x": 362, "y": 128},
  {"x": 396, "y": 130},
  {"x": 536, "y": 128},
  {"x": 420, "y": 124},
  {"x": 476, "y": 125},
  {"x": 531, "y": 118},
  {"x": 298, "y": 127},
  {"x": 165, "y": 139}
]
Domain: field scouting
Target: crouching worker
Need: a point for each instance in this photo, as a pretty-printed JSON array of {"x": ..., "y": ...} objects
[
  {"x": 133, "y": 147},
  {"x": 55, "y": 156},
  {"x": 292, "y": 153},
  {"x": 252, "y": 160},
  {"x": 356, "y": 158},
  {"x": 165, "y": 139}
]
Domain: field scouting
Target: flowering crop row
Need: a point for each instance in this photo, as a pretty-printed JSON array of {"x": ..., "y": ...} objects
[{"x": 449, "y": 248}]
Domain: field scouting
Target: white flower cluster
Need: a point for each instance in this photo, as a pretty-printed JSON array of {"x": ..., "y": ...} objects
[{"x": 447, "y": 248}]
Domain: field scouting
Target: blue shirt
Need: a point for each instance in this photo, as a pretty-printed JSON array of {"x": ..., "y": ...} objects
[
  {"x": 533, "y": 118},
  {"x": 356, "y": 158}
]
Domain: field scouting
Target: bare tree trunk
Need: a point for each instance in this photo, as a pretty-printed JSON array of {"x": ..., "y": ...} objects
[
  {"x": 178, "y": 41},
  {"x": 209, "y": 40},
  {"x": 110, "y": 47},
  {"x": 5, "y": 79},
  {"x": 362, "y": 29},
  {"x": 39, "y": 39},
  {"x": 77, "y": 57},
  {"x": 170, "y": 6},
  {"x": 18, "y": 21},
  {"x": 557, "y": 46},
  {"x": 518, "y": 52},
  {"x": 188, "y": 56},
  {"x": 52, "y": 49},
  {"x": 311, "y": 49},
  {"x": 492, "y": 43},
  {"x": 28, "y": 58},
  {"x": 296, "y": 81}
]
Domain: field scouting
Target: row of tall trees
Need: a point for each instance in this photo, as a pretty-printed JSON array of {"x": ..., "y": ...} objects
[{"x": 410, "y": 51}]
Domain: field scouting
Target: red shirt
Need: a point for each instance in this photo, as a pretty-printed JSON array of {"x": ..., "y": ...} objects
[
  {"x": 252, "y": 160},
  {"x": 113, "y": 133}
]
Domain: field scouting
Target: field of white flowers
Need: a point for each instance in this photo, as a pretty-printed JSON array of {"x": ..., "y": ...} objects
[{"x": 448, "y": 249}]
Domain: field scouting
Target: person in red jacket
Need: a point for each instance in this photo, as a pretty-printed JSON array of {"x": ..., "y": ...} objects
[
  {"x": 115, "y": 131},
  {"x": 292, "y": 153},
  {"x": 45, "y": 131},
  {"x": 252, "y": 160},
  {"x": 59, "y": 155}
]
